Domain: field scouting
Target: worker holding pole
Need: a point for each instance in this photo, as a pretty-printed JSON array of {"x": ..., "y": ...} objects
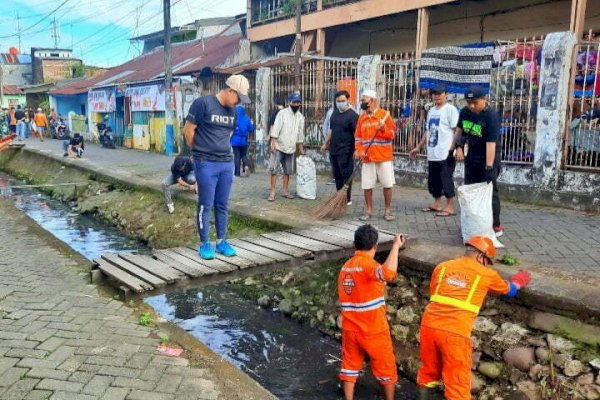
[{"x": 458, "y": 289}]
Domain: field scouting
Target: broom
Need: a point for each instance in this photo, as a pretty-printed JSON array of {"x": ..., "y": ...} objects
[{"x": 335, "y": 205}]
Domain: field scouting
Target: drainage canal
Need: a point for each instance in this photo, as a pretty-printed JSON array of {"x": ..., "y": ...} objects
[{"x": 291, "y": 360}]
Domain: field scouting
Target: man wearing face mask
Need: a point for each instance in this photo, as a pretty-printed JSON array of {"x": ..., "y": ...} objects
[
  {"x": 287, "y": 135},
  {"x": 340, "y": 141},
  {"x": 377, "y": 126},
  {"x": 479, "y": 128}
]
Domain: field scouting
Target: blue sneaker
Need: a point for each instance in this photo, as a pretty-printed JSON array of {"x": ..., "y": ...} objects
[
  {"x": 206, "y": 251},
  {"x": 223, "y": 247}
]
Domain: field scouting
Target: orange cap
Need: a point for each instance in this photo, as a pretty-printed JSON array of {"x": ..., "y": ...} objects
[{"x": 484, "y": 245}]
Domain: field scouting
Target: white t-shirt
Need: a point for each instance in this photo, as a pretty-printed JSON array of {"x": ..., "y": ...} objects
[{"x": 440, "y": 130}]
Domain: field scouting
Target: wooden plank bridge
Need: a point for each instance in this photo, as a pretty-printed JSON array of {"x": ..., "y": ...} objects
[{"x": 282, "y": 249}]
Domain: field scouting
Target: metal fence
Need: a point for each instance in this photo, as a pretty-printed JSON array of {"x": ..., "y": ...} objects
[
  {"x": 582, "y": 136},
  {"x": 321, "y": 78}
]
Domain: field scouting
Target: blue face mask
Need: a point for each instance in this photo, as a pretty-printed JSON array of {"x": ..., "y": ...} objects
[{"x": 341, "y": 105}]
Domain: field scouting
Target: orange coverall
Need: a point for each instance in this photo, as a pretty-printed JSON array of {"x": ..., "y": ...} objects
[
  {"x": 458, "y": 289},
  {"x": 365, "y": 330},
  {"x": 367, "y": 125}
]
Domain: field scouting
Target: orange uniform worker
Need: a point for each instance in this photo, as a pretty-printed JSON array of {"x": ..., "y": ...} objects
[
  {"x": 375, "y": 125},
  {"x": 458, "y": 289},
  {"x": 365, "y": 330}
]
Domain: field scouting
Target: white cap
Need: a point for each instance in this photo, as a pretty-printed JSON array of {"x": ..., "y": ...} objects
[
  {"x": 370, "y": 93},
  {"x": 240, "y": 84},
  {"x": 39, "y": 110}
]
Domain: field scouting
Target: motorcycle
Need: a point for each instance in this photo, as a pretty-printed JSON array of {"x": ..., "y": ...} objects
[
  {"x": 59, "y": 129},
  {"x": 105, "y": 136}
]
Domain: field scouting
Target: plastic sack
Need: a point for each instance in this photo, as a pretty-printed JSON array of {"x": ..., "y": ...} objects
[
  {"x": 476, "y": 217},
  {"x": 306, "y": 178}
]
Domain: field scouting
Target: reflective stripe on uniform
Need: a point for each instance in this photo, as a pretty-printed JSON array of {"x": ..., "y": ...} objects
[
  {"x": 349, "y": 372},
  {"x": 366, "y": 306},
  {"x": 451, "y": 301}
]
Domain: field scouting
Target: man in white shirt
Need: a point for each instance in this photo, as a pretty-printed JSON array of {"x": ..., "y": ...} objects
[
  {"x": 441, "y": 122},
  {"x": 287, "y": 134}
]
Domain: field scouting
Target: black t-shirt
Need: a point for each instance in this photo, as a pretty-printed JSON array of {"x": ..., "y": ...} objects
[
  {"x": 214, "y": 125},
  {"x": 181, "y": 168},
  {"x": 478, "y": 130},
  {"x": 19, "y": 115},
  {"x": 272, "y": 117},
  {"x": 343, "y": 126},
  {"x": 77, "y": 141}
]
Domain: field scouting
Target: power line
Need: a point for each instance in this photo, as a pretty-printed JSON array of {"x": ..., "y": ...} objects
[{"x": 46, "y": 17}]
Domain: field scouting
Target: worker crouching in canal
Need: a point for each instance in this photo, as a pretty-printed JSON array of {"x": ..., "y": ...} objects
[
  {"x": 458, "y": 289},
  {"x": 365, "y": 329}
]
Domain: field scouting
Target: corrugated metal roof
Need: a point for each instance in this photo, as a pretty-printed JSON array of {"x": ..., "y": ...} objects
[
  {"x": 6, "y": 58},
  {"x": 190, "y": 57},
  {"x": 12, "y": 89}
]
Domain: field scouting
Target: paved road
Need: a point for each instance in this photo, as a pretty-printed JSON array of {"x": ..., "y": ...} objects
[
  {"x": 61, "y": 340},
  {"x": 556, "y": 241}
]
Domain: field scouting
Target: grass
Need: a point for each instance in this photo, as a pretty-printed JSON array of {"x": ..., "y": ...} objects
[
  {"x": 146, "y": 319},
  {"x": 164, "y": 338}
]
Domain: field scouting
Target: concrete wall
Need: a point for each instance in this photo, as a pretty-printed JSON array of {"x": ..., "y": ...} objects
[
  {"x": 53, "y": 70},
  {"x": 64, "y": 104},
  {"x": 10, "y": 100},
  {"x": 19, "y": 74}
]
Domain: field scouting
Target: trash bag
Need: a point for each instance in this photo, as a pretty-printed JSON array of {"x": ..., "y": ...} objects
[
  {"x": 306, "y": 178},
  {"x": 476, "y": 217}
]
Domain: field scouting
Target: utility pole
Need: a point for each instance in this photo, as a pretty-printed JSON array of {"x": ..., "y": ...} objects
[
  {"x": 298, "y": 55},
  {"x": 19, "y": 30},
  {"x": 55, "y": 33},
  {"x": 170, "y": 135},
  {"x": 1, "y": 87}
]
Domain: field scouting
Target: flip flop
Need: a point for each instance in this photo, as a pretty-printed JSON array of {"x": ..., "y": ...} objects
[
  {"x": 289, "y": 196},
  {"x": 271, "y": 197},
  {"x": 444, "y": 214},
  {"x": 366, "y": 217},
  {"x": 389, "y": 217},
  {"x": 431, "y": 209}
]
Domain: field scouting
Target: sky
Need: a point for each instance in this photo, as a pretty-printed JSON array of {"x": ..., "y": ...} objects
[{"x": 98, "y": 30}]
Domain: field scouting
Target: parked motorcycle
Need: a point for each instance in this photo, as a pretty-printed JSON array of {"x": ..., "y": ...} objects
[
  {"x": 59, "y": 129},
  {"x": 105, "y": 136}
]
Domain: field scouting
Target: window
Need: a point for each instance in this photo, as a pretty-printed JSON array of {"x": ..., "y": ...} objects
[{"x": 54, "y": 55}]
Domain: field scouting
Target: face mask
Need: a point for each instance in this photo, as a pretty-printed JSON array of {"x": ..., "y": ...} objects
[
  {"x": 364, "y": 106},
  {"x": 341, "y": 105},
  {"x": 295, "y": 108}
]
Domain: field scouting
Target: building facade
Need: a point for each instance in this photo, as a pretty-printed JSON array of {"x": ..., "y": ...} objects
[{"x": 52, "y": 65}]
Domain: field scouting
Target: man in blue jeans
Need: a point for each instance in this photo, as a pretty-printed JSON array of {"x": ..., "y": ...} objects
[{"x": 208, "y": 129}]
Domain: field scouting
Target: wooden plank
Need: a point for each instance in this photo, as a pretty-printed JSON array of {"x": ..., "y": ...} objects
[
  {"x": 280, "y": 247},
  {"x": 263, "y": 251},
  {"x": 384, "y": 235},
  {"x": 237, "y": 260},
  {"x": 339, "y": 232},
  {"x": 256, "y": 258},
  {"x": 156, "y": 267},
  {"x": 134, "y": 270},
  {"x": 137, "y": 285},
  {"x": 275, "y": 237},
  {"x": 290, "y": 238},
  {"x": 216, "y": 264},
  {"x": 320, "y": 235},
  {"x": 192, "y": 271}
]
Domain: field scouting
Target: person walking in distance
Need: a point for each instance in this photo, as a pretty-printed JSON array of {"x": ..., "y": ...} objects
[
  {"x": 287, "y": 138},
  {"x": 365, "y": 330},
  {"x": 374, "y": 138},
  {"x": 21, "y": 125},
  {"x": 340, "y": 141},
  {"x": 208, "y": 129},
  {"x": 182, "y": 174},
  {"x": 457, "y": 292},
  {"x": 479, "y": 128},
  {"x": 239, "y": 141},
  {"x": 12, "y": 120},
  {"x": 41, "y": 123},
  {"x": 441, "y": 123}
]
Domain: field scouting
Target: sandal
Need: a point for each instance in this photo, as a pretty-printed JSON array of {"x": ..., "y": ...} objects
[
  {"x": 389, "y": 217},
  {"x": 366, "y": 217},
  {"x": 289, "y": 196},
  {"x": 271, "y": 197},
  {"x": 444, "y": 214},
  {"x": 431, "y": 209}
]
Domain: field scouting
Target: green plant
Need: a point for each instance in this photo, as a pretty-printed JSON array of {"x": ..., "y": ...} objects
[
  {"x": 78, "y": 70},
  {"x": 164, "y": 338},
  {"x": 289, "y": 7},
  {"x": 509, "y": 260},
  {"x": 146, "y": 319},
  {"x": 131, "y": 303}
]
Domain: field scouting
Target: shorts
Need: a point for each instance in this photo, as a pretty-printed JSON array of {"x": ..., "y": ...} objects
[
  {"x": 40, "y": 129},
  {"x": 440, "y": 179},
  {"x": 286, "y": 161},
  {"x": 378, "y": 171},
  {"x": 355, "y": 345}
]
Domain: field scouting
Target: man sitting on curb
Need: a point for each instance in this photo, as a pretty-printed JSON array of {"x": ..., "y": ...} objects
[
  {"x": 458, "y": 289},
  {"x": 182, "y": 173},
  {"x": 74, "y": 147},
  {"x": 365, "y": 329}
]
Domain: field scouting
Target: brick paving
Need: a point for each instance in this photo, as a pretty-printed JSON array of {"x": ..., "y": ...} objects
[
  {"x": 556, "y": 241},
  {"x": 61, "y": 340}
]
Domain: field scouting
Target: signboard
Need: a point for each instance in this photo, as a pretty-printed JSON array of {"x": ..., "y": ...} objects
[
  {"x": 147, "y": 98},
  {"x": 102, "y": 100}
]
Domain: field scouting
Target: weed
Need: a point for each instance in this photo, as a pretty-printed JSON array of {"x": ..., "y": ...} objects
[
  {"x": 146, "y": 319},
  {"x": 164, "y": 338},
  {"x": 131, "y": 303},
  {"x": 509, "y": 260}
]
